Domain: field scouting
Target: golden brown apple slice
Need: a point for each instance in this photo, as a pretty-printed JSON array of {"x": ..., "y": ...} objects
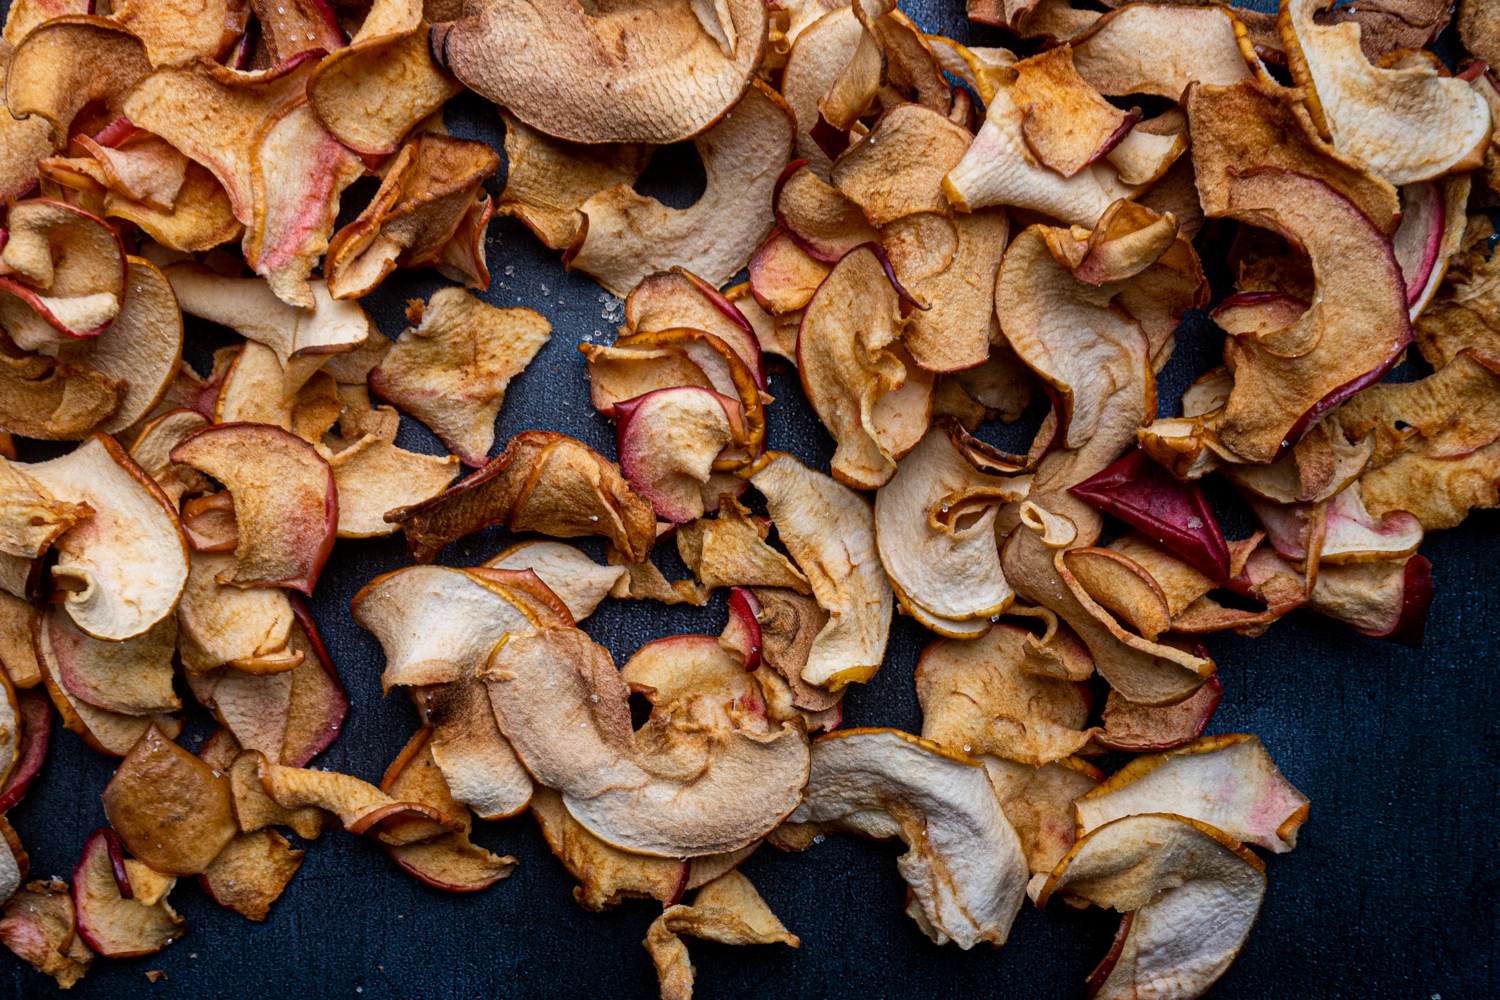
[
  {"x": 253, "y": 392},
  {"x": 731, "y": 550},
  {"x": 630, "y": 236},
  {"x": 65, "y": 274},
  {"x": 1067, "y": 124},
  {"x": 132, "y": 677},
  {"x": 110, "y": 733},
  {"x": 168, "y": 807},
  {"x": 174, "y": 34},
  {"x": 819, "y": 54},
  {"x": 680, "y": 667},
  {"x": 121, "y": 904},
  {"x": 200, "y": 218},
  {"x": 31, "y": 518},
  {"x": 251, "y": 873},
  {"x": 580, "y": 582},
  {"x": 451, "y": 369},
  {"x": 123, "y": 568},
  {"x": 285, "y": 501},
  {"x": 1226, "y": 781},
  {"x": 898, "y": 169},
  {"x": 662, "y": 792},
  {"x": 142, "y": 348},
  {"x": 678, "y": 298},
  {"x": 667, "y": 79},
  {"x": 727, "y": 910},
  {"x": 247, "y": 628},
  {"x": 17, "y": 652},
  {"x": 476, "y": 760},
  {"x": 1145, "y": 50},
  {"x": 319, "y": 702},
  {"x": 23, "y": 141},
  {"x": 1139, "y": 729},
  {"x": 373, "y": 476},
  {"x": 606, "y": 875},
  {"x": 69, "y": 63},
  {"x": 830, "y": 532},
  {"x": 1190, "y": 894},
  {"x": 965, "y": 867},
  {"x": 39, "y": 927},
  {"x": 668, "y": 441},
  {"x": 359, "y": 805},
  {"x": 788, "y": 625},
  {"x": 254, "y": 707},
  {"x": 255, "y": 810}
]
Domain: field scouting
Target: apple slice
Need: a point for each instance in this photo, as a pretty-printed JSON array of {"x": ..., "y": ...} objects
[
  {"x": 606, "y": 875},
  {"x": 255, "y": 810},
  {"x": 621, "y": 373},
  {"x": 783, "y": 276},
  {"x": 668, "y": 440},
  {"x": 116, "y": 917},
  {"x": 107, "y": 732},
  {"x": 741, "y": 637},
  {"x": 254, "y": 391},
  {"x": 476, "y": 760},
  {"x": 683, "y": 667},
  {"x": 31, "y": 519},
  {"x": 1139, "y": 729},
  {"x": 789, "y": 623},
  {"x": 414, "y": 776},
  {"x": 17, "y": 650},
  {"x": 35, "y": 717},
  {"x": 254, "y": 708},
  {"x": 153, "y": 448},
  {"x": 69, "y": 63},
  {"x": 1145, "y": 51},
  {"x": 319, "y": 702},
  {"x": 1067, "y": 124},
  {"x": 1038, "y": 801},
  {"x": 1417, "y": 239},
  {"x": 286, "y": 503},
  {"x": 251, "y": 873},
  {"x": 965, "y": 867},
  {"x": 727, "y": 910},
  {"x": 1382, "y": 599},
  {"x": 679, "y": 298},
  {"x": 1226, "y": 781},
  {"x": 247, "y": 628},
  {"x": 731, "y": 551},
  {"x": 817, "y": 216},
  {"x": 39, "y": 926},
  {"x": 359, "y": 805},
  {"x": 208, "y": 521},
  {"x": 123, "y": 568},
  {"x": 580, "y": 582},
  {"x": 65, "y": 273},
  {"x": 168, "y": 807},
  {"x": 898, "y": 168},
  {"x": 132, "y": 677}
]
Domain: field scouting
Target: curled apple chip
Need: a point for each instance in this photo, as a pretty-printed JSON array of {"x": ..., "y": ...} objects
[
  {"x": 1151, "y": 148},
  {"x": 23, "y": 141},
  {"x": 817, "y": 216},
  {"x": 141, "y": 166},
  {"x": 372, "y": 476},
  {"x": 169, "y": 808},
  {"x": 1140, "y": 729},
  {"x": 123, "y": 567},
  {"x": 31, "y": 518},
  {"x": 252, "y": 392},
  {"x": 245, "y": 627},
  {"x": 1226, "y": 781},
  {"x": 1319, "y": 466},
  {"x": 1190, "y": 894},
  {"x": 935, "y": 528},
  {"x": 65, "y": 274},
  {"x": 132, "y": 677},
  {"x": 675, "y": 788},
  {"x": 1449, "y": 414},
  {"x": 477, "y": 763},
  {"x": 580, "y": 582},
  {"x": 47, "y": 399},
  {"x": 630, "y": 236},
  {"x": 606, "y": 875},
  {"x": 254, "y": 809},
  {"x": 898, "y": 168},
  {"x": 199, "y": 218},
  {"x": 251, "y": 873},
  {"x": 1160, "y": 49},
  {"x": 829, "y": 531},
  {"x": 727, "y": 910},
  {"x": 1066, "y": 123},
  {"x": 620, "y": 373},
  {"x": 950, "y": 264},
  {"x": 542, "y": 481},
  {"x": 121, "y": 904},
  {"x": 679, "y": 299},
  {"x": 731, "y": 550},
  {"x": 39, "y": 926},
  {"x": 318, "y": 702},
  {"x": 819, "y": 54},
  {"x": 416, "y": 213},
  {"x": 1431, "y": 233},
  {"x": 285, "y": 501},
  {"x": 1038, "y": 801},
  {"x": 548, "y": 179},
  {"x": 359, "y": 805},
  {"x": 109, "y": 733},
  {"x": 1383, "y": 599},
  {"x": 668, "y": 442},
  {"x": 965, "y": 867},
  {"x": 67, "y": 64},
  {"x": 450, "y": 371},
  {"x": 682, "y": 667},
  {"x": 35, "y": 712},
  {"x": 549, "y": 65},
  {"x": 1405, "y": 125},
  {"x": 976, "y": 698}
]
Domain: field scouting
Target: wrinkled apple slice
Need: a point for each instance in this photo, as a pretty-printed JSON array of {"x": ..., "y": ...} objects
[
  {"x": 542, "y": 481},
  {"x": 629, "y": 236},
  {"x": 35, "y": 717},
  {"x": 42, "y": 398},
  {"x": 784, "y": 277},
  {"x": 110, "y": 733},
  {"x": 643, "y": 581},
  {"x": 173, "y": 34},
  {"x": 965, "y": 865},
  {"x": 950, "y": 264},
  {"x": 245, "y": 627},
  {"x": 976, "y": 698},
  {"x": 1190, "y": 894},
  {"x": 1381, "y": 599},
  {"x": 70, "y": 63},
  {"x": 1351, "y": 534},
  {"x": 309, "y": 24},
  {"x": 830, "y": 532},
  {"x": 17, "y": 651},
  {"x": 935, "y": 527},
  {"x": 606, "y": 875},
  {"x": 23, "y": 141},
  {"x": 630, "y": 790},
  {"x": 817, "y": 216},
  {"x": 789, "y": 623},
  {"x": 548, "y": 179},
  {"x": 1038, "y": 801},
  {"x": 1406, "y": 125},
  {"x": 318, "y": 702},
  {"x": 580, "y": 582},
  {"x": 415, "y": 214},
  {"x": 621, "y": 373},
  {"x": 819, "y": 53},
  {"x": 1160, "y": 49},
  {"x": 255, "y": 809},
  {"x": 373, "y": 476},
  {"x": 1067, "y": 124},
  {"x": 679, "y": 298},
  {"x": 898, "y": 168},
  {"x": 1318, "y": 467},
  {"x": 1123, "y": 587},
  {"x": 40, "y": 927},
  {"x": 476, "y": 760},
  {"x": 450, "y": 371},
  {"x": 65, "y": 275},
  {"x": 668, "y": 440},
  {"x": 452, "y": 863},
  {"x": 436, "y": 624},
  {"x": 1000, "y": 169},
  {"x": 141, "y": 167},
  {"x": 254, "y": 707},
  {"x": 682, "y": 667},
  {"x": 359, "y": 805},
  {"x": 133, "y": 677},
  {"x": 1228, "y": 782},
  {"x": 199, "y": 218},
  {"x": 1139, "y": 729},
  {"x": 727, "y": 910},
  {"x": 169, "y": 808},
  {"x": 285, "y": 501},
  {"x": 117, "y": 917},
  {"x": 31, "y": 518},
  {"x": 251, "y": 873},
  {"x": 123, "y": 568},
  {"x": 731, "y": 550},
  {"x": 1450, "y": 414},
  {"x": 252, "y": 393},
  {"x": 1150, "y": 149}
]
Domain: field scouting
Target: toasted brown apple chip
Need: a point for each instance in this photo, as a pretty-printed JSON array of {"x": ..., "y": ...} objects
[
  {"x": 172, "y": 34},
  {"x": 674, "y": 789},
  {"x": 319, "y": 702},
  {"x": 200, "y": 217},
  {"x": 1449, "y": 414},
  {"x": 413, "y": 216},
  {"x": 252, "y": 392},
  {"x": 580, "y": 582},
  {"x": 251, "y": 873},
  {"x": 784, "y": 276},
  {"x": 1405, "y": 125},
  {"x": 123, "y": 567},
  {"x": 965, "y": 867},
  {"x": 31, "y": 518},
  {"x": 789, "y": 624},
  {"x": 120, "y": 918},
  {"x": 414, "y": 776},
  {"x": 450, "y": 371},
  {"x": 830, "y": 532},
  {"x": 65, "y": 275},
  {"x": 110, "y": 733},
  {"x": 39, "y": 926},
  {"x": 1477, "y": 27},
  {"x": 682, "y": 667},
  {"x": 254, "y": 809},
  {"x": 285, "y": 501},
  {"x": 542, "y": 481},
  {"x": 818, "y": 216},
  {"x": 1067, "y": 125},
  {"x": 727, "y": 910},
  {"x": 678, "y": 298},
  {"x": 476, "y": 760},
  {"x": 1139, "y": 729},
  {"x": 1150, "y": 148},
  {"x": 142, "y": 167},
  {"x": 898, "y": 169},
  {"x": 620, "y": 373},
  {"x": 496, "y": 49},
  {"x": 1038, "y": 801},
  {"x": 359, "y": 805},
  {"x": 1159, "y": 49},
  {"x": 23, "y": 141},
  {"x": 373, "y": 476},
  {"x": 1190, "y": 894},
  {"x": 731, "y": 550},
  {"x": 1227, "y": 781},
  {"x": 17, "y": 652},
  {"x": 248, "y": 628},
  {"x": 70, "y": 63},
  {"x": 133, "y": 677},
  {"x": 818, "y": 57},
  {"x": 606, "y": 875},
  {"x": 861, "y": 77},
  {"x": 934, "y": 524},
  {"x": 1463, "y": 314},
  {"x": 169, "y": 808},
  {"x": 950, "y": 264},
  {"x": 255, "y": 707},
  {"x": 309, "y": 24},
  {"x": 630, "y": 236},
  {"x": 1439, "y": 492},
  {"x": 977, "y": 699}
]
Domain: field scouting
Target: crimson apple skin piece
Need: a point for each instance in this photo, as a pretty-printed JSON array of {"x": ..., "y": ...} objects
[
  {"x": 1172, "y": 513},
  {"x": 36, "y": 730},
  {"x": 744, "y": 618},
  {"x": 1416, "y": 601}
]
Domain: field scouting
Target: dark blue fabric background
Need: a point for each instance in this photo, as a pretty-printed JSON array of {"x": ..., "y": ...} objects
[{"x": 1391, "y": 892}]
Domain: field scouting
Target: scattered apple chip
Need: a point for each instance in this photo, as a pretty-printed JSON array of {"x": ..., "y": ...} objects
[
  {"x": 675, "y": 788},
  {"x": 1038, "y": 801},
  {"x": 731, "y": 550},
  {"x": 950, "y": 264},
  {"x": 668, "y": 442},
  {"x": 252, "y": 393},
  {"x": 542, "y": 481},
  {"x": 169, "y": 808},
  {"x": 23, "y": 141},
  {"x": 629, "y": 236},
  {"x": 784, "y": 277},
  {"x": 965, "y": 867},
  {"x": 682, "y": 667},
  {"x": 1066, "y": 124},
  {"x": 199, "y": 218},
  {"x": 64, "y": 277},
  {"x": 606, "y": 875},
  {"x": 319, "y": 702},
  {"x": 817, "y": 59},
  {"x": 1140, "y": 729},
  {"x": 39, "y": 926},
  {"x": 1160, "y": 49},
  {"x": 285, "y": 501},
  {"x": 254, "y": 809},
  {"x": 1405, "y": 125},
  {"x": 817, "y": 216},
  {"x": 580, "y": 582},
  {"x": 133, "y": 677},
  {"x": 1150, "y": 149},
  {"x": 110, "y": 733},
  {"x": 17, "y": 652},
  {"x": 476, "y": 760},
  {"x": 898, "y": 168},
  {"x": 31, "y": 518},
  {"x": 254, "y": 707},
  {"x": 71, "y": 65},
  {"x": 245, "y": 627},
  {"x": 1190, "y": 894},
  {"x": 251, "y": 873},
  {"x": 679, "y": 299},
  {"x": 727, "y": 910},
  {"x": 120, "y": 903},
  {"x": 359, "y": 805},
  {"x": 1383, "y": 599}
]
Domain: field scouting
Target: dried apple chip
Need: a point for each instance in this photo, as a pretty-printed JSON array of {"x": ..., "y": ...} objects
[
  {"x": 251, "y": 873},
  {"x": 898, "y": 168},
  {"x": 1139, "y": 729},
  {"x": 450, "y": 371},
  {"x": 727, "y": 910},
  {"x": 606, "y": 875},
  {"x": 1405, "y": 125},
  {"x": 950, "y": 264},
  {"x": 31, "y": 518},
  {"x": 359, "y": 805},
  {"x": 373, "y": 476},
  {"x": 121, "y": 904},
  {"x": 1038, "y": 801},
  {"x": 1066, "y": 124},
  {"x": 73, "y": 64},
  {"x": 255, "y": 810},
  {"x": 817, "y": 59},
  {"x": 1160, "y": 49},
  {"x": 630, "y": 236},
  {"x": 731, "y": 550},
  {"x": 40, "y": 927},
  {"x": 788, "y": 625},
  {"x": 169, "y": 808},
  {"x": 35, "y": 711},
  {"x": 668, "y": 442},
  {"x": 965, "y": 866},
  {"x": 1151, "y": 148},
  {"x": 476, "y": 760},
  {"x": 679, "y": 299},
  {"x": 580, "y": 582},
  {"x": 245, "y": 627},
  {"x": 110, "y": 733},
  {"x": 132, "y": 677},
  {"x": 65, "y": 275},
  {"x": 682, "y": 667},
  {"x": 200, "y": 217},
  {"x": 818, "y": 217}
]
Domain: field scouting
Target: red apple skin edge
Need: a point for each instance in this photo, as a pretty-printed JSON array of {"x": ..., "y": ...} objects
[
  {"x": 744, "y": 611},
  {"x": 1107, "y": 963},
  {"x": 1213, "y": 685},
  {"x": 1416, "y": 601},
  {"x": 36, "y": 730},
  {"x": 417, "y": 874}
]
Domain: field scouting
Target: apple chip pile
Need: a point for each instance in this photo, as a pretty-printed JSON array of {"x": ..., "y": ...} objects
[{"x": 932, "y": 235}]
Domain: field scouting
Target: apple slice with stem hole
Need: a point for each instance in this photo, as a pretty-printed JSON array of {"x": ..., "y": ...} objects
[{"x": 117, "y": 917}]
